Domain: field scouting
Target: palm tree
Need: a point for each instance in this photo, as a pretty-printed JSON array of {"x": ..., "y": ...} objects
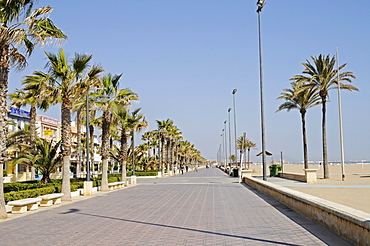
[
  {"x": 90, "y": 81},
  {"x": 186, "y": 150},
  {"x": 34, "y": 94},
  {"x": 136, "y": 122},
  {"x": 322, "y": 75},
  {"x": 67, "y": 83},
  {"x": 45, "y": 157},
  {"x": 174, "y": 135},
  {"x": 109, "y": 96},
  {"x": 302, "y": 101},
  {"x": 163, "y": 127},
  {"x": 243, "y": 144},
  {"x": 152, "y": 138},
  {"x": 250, "y": 145},
  {"x": 22, "y": 28},
  {"x": 120, "y": 119}
]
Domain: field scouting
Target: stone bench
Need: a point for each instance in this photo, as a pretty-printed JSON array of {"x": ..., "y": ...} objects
[
  {"x": 51, "y": 199},
  {"x": 23, "y": 205},
  {"x": 116, "y": 185},
  {"x": 8, "y": 208},
  {"x": 309, "y": 176}
]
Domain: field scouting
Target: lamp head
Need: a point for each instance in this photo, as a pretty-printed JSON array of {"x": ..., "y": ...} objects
[
  {"x": 260, "y": 5},
  {"x": 234, "y": 91},
  {"x": 229, "y": 110}
]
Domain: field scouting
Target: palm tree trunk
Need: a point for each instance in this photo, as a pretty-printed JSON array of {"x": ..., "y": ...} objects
[
  {"x": 240, "y": 158},
  {"x": 79, "y": 157},
  {"x": 66, "y": 148},
  {"x": 171, "y": 155},
  {"x": 104, "y": 149},
  {"x": 33, "y": 134},
  {"x": 168, "y": 155},
  {"x": 4, "y": 71},
  {"x": 305, "y": 152},
  {"x": 161, "y": 158},
  {"x": 124, "y": 155},
  {"x": 324, "y": 148},
  {"x": 249, "y": 152},
  {"x": 91, "y": 148}
]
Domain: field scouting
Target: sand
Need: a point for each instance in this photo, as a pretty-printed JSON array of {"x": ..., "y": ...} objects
[{"x": 353, "y": 192}]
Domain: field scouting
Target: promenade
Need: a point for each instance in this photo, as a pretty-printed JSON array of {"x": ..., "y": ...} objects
[{"x": 198, "y": 208}]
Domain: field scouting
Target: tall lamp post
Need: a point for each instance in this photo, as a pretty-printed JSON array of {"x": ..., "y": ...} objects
[
  {"x": 340, "y": 120},
  {"x": 88, "y": 183},
  {"x": 228, "y": 111},
  {"x": 236, "y": 151},
  {"x": 87, "y": 139},
  {"x": 225, "y": 142},
  {"x": 133, "y": 176},
  {"x": 223, "y": 147},
  {"x": 260, "y": 5}
]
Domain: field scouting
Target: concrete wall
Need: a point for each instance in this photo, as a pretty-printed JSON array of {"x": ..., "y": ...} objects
[
  {"x": 293, "y": 176},
  {"x": 349, "y": 223}
]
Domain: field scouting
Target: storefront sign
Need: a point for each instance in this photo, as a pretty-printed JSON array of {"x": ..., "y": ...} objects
[
  {"x": 19, "y": 112},
  {"x": 48, "y": 120}
]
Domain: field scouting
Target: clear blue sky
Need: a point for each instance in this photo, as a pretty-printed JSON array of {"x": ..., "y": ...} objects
[{"x": 184, "y": 58}]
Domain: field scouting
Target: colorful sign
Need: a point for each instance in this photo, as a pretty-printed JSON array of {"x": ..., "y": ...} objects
[
  {"x": 48, "y": 120},
  {"x": 19, "y": 112},
  {"x": 48, "y": 132}
]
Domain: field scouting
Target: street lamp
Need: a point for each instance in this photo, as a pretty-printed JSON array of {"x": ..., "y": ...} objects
[
  {"x": 87, "y": 139},
  {"x": 260, "y": 5},
  {"x": 229, "y": 136},
  {"x": 133, "y": 151},
  {"x": 225, "y": 142},
  {"x": 104, "y": 98},
  {"x": 236, "y": 153},
  {"x": 340, "y": 120}
]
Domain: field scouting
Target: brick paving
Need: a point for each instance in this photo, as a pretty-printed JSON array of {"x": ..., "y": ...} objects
[{"x": 197, "y": 208}]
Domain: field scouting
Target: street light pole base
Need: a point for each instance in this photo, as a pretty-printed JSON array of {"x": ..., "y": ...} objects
[
  {"x": 133, "y": 180},
  {"x": 88, "y": 185}
]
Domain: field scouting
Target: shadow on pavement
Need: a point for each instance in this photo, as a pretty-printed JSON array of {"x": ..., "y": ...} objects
[{"x": 180, "y": 228}]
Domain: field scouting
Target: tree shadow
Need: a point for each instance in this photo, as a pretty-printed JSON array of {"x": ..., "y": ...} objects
[{"x": 77, "y": 211}]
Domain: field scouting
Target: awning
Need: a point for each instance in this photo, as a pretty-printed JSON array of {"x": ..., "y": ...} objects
[{"x": 267, "y": 153}]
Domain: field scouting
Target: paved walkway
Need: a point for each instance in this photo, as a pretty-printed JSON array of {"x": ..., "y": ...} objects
[{"x": 197, "y": 208}]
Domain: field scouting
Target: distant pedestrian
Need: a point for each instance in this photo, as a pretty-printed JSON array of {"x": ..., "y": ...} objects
[
  {"x": 196, "y": 168},
  {"x": 187, "y": 168},
  {"x": 182, "y": 169}
]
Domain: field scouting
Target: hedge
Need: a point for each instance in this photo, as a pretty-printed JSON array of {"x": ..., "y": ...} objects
[
  {"x": 97, "y": 182},
  {"x": 143, "y": 173},
  {"x": 11, "y": 196},
  {"x": 30, "y": 189},
  {"x": 20, "y": 190},
  {"x": 20, "y": 186}
]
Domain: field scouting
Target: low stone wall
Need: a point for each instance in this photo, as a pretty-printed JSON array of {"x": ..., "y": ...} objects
[
  {"x": 309, "y": 176},
  {"x": 293, "y": 176},
  {"x": 349, "y": 223}
]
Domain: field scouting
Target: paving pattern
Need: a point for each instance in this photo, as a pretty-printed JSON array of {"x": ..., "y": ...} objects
[{"x": 197, "y": 208}]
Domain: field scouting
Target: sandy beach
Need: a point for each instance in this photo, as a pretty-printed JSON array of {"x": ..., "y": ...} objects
[{"x": 353, "y": 192}]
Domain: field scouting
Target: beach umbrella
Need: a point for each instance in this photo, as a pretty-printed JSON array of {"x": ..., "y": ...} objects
[{"x": 266, "y": 152}]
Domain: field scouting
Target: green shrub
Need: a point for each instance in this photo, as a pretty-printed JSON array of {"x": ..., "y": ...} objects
[
  {"x": 5, "y": 173},
  {"x": 20, "y": 192},
  {"x": 19, "y": 186},
  {"x": 143, "y": 173},
  {"x": 11, "y": 196}
]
